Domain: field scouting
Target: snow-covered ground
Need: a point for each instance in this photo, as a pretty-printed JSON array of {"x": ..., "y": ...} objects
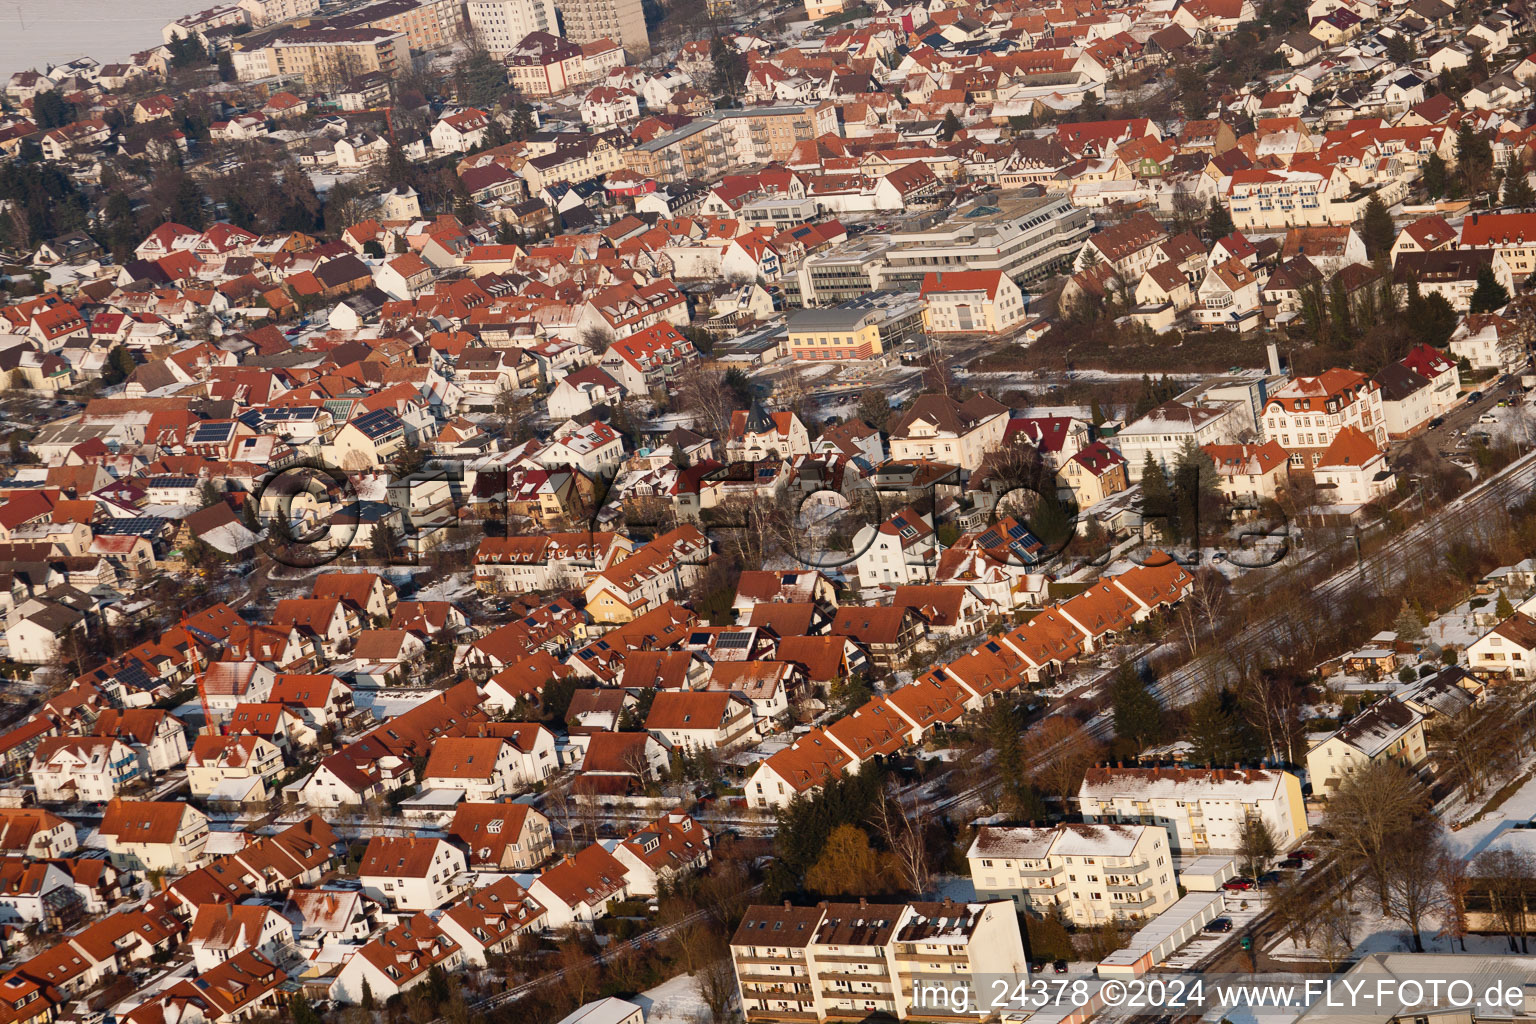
[
  {"x": 454, "y": 587},
  {"x": 674, "y": 1002}
]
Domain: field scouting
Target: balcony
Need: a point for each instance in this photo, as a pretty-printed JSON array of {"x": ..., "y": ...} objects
[
  {"x": 1142, "y": 886},
  {"x": 760, "y": 991},
  {"x": 933, "y": 958},
  {"x": 1140, "y": 904},
  {"x": 880, "y": 975}
]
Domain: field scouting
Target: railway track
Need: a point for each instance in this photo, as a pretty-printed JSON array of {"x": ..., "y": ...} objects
[{"x": 1379, "y": 571}]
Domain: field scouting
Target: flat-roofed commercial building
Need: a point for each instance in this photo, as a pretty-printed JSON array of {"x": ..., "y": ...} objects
[{"x": 863, "y": 328}]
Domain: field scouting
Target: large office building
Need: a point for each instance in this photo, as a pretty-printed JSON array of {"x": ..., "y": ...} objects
[{"x": 1024, "y": 236}]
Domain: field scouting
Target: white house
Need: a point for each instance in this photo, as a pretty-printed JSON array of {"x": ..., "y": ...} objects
[
  {"x": 460, "y": 132},
  {"x": 412, "y": 872},
  {"x": 1203, "y": 809},
  {"x": 79, "y": 769},
  {"x": 1507, "y": 651},
  {"x": 903, "y": 549}
]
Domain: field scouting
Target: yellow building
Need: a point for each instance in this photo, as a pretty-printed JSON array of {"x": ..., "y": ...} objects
[
  {"x": 325, "y": 57},
  {"x": 1095, "y": 473},
  {"x": 864, "y": 328},
  {"x": 1386, "y": 729}
]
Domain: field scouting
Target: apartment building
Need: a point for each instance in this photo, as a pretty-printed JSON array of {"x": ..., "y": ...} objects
[
  {"x": 270, "y": 12},
  {"x": 1264, "y": 199},
  {"x": 325, "y": 57},
  {"x": 540, "y": 63},
  {"x": 1203, "y": 810},
  {"x": 696, "y": 150},
  {"x": 1307, "y": 414},
  {"x": 1088, "y": 874},
  {"x": 623, "y": 21},
  {"x": 956, "y": 433},
  {"x": 499, "y": 25},
  {"x": 1387, "y": 729},
  {"x": 426, "y": 24},
  {"x": 764, "y": 134},
  {"x": 1164, "y": 433},
  {"x": 1511, "y": 235},
  {"x": 852, "y": 960},
  {"x": 967, "y": 301}
]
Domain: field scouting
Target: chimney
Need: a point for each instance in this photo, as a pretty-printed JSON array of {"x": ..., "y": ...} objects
[
  {"x": 786, "y": 904},
  {"x": 863, "y": 903}
]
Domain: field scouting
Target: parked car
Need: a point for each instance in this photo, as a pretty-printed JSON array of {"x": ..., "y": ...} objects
[
  {"x": 1060, "y": 967},
  {"x": 1438, "y": 421},
  {"x": 1269, "y": 878},
  {"x": 1305, "y": 854},
  {"x": 1476, "y": 396},
  {"x": 1221, "y": 924},
  {"x": 1292, "y": 863},
  {"x": 1487, "y": 417},
  {"x": 1238, "y": 884}
]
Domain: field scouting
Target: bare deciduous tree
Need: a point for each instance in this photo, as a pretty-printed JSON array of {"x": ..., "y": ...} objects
[
  {"x": 1065, "y": 752},
  {"x": 1374, "y": 807},
  {"x": 1411, "y": 890},
  {"x": 1505, "y": 879},
  {"x": 900, "y": 823}
]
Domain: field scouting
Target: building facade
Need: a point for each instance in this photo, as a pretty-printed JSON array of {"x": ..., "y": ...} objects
[{"x": 1087, "y": 874}]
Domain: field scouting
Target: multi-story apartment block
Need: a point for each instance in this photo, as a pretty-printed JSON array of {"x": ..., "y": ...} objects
[
  {"x": 1088, "y": 874},
  {"x": 270, "y": 12},
  {"x": 539, "y": 63},
  {"x": 842, "y": 961},
  {"x": 696, "y": 150},
  {"x": 324, "y": 57},
  {"x": 1263, "y": 199},
  {"x": 1165, "y": 431},
  {"x": 1307, "y": 414},
  {"x": 1387, "y": 729},
  {"x": 1511, "y": 235},
  {"x": 499, "y": 25},
  {"x": 1202, "y": 809},
  {"x": 426, "y": 24},
  {"x": 623, "y": 21},
  {"x": 764, "y": 134}
]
